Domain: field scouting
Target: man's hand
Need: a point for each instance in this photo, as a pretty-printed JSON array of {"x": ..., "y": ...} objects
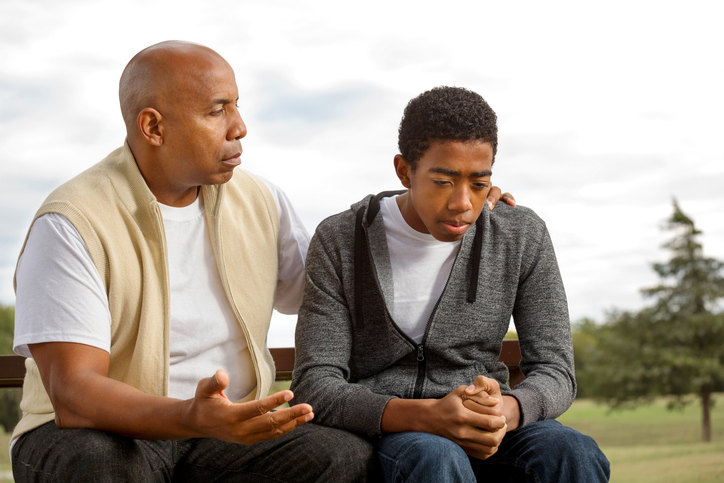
[
  {"x": 245, "y": 423},
  {"x": 494, "y": 195}
]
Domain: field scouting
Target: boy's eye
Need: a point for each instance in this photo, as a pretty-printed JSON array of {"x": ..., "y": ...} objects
[
  {"x": 480, "y": 186},
  {"x": 441, "y": 182}
]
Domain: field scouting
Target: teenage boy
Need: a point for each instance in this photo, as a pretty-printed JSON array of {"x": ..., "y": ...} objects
[{"x": 407, "y": 300}]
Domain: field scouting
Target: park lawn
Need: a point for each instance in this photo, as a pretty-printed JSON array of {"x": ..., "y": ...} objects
[{"x": 654, "y": 444}]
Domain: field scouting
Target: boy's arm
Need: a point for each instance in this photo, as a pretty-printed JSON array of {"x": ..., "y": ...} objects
[
  {"x": 323, "y": 342},
  {"x": 543, "y": 326}
]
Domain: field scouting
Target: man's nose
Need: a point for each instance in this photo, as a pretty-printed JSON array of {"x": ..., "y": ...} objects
[{"x": 237, "y": 129}]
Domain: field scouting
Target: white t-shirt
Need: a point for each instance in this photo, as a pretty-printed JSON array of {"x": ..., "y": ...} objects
[
  {"x": 421, "y": 266},
  {"x": 61, "y": 297}
]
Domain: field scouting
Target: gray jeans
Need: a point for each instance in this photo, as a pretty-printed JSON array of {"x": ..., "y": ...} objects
[{"x": 308, "y": 453}]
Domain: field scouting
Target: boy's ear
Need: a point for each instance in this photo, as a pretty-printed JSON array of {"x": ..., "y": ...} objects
[{"x": 403, "y": 170}]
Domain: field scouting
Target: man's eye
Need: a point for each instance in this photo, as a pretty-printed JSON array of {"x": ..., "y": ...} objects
[{"x": 440, "y": 182}]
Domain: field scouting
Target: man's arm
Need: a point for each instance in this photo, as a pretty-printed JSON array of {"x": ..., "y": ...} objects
[{"x": 83, "y": 396}]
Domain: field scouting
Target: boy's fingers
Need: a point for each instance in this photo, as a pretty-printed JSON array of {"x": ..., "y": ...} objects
[{"x": 482, "y": 383}]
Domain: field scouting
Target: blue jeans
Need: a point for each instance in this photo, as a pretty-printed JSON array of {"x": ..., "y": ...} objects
[
  {"x": 545, "y": 451},
  {"x": 308, "y": 453}
]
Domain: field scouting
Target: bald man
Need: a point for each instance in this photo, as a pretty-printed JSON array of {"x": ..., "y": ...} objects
[{"x": 144, "y": 294}]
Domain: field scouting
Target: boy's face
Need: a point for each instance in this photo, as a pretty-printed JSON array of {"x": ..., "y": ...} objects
[{"x": 448, "y": 188}]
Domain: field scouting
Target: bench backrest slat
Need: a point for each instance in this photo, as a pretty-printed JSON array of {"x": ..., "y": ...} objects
[{"x": 12, "y": 367}]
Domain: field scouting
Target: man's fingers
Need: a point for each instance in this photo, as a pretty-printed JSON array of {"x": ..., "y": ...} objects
[
  {"x": 493, "y": 196},
  {"x": 214, "y": 385},
  {"x": 508, "y": 198},
  {"x": 274, "y": 424},
  {"x": 266, "y": 404}
]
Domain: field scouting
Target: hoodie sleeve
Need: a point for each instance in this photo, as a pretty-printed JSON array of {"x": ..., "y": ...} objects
[
  {"x": 323, "y": 339},
  {"x": 542, "y": 322}
]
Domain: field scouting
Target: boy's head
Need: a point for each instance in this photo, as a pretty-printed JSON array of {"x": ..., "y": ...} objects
[
  {"x": 445, "y": 114},
  {"x": 448, "y": 139}
]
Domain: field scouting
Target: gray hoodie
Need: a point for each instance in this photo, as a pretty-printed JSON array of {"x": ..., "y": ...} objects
[{"x": 351, "y": 358}]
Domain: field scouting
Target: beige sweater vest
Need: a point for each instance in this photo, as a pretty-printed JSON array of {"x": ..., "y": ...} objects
[{"x": 120, "y": 222}]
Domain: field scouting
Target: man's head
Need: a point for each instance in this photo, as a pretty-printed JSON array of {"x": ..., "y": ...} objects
[
  {"x": 448, "y": 138},
  {"x": 178, "y": 101}
]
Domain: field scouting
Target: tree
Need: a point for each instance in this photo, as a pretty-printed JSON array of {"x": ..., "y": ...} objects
[
  {"x": 7, "y": 328},
  {"x": 674, "y": 347},
  {"x": 9, "y": 398}
]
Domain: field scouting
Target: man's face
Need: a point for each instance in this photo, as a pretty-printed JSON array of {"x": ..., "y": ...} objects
[
  {"x": 203, "y": 127},
  {"x": 447, "y": 190}
]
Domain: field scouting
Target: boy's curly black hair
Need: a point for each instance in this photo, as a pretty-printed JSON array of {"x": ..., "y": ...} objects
[{"x": 445, "y": 114}]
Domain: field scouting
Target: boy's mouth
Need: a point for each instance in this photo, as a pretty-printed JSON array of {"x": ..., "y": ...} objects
[{"x": 456, "y": 227}]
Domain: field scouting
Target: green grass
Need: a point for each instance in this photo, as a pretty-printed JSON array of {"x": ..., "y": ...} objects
[{"x": 652, "y": 443}]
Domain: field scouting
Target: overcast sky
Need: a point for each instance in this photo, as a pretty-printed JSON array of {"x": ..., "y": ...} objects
[{"x": 606, "y": 111}]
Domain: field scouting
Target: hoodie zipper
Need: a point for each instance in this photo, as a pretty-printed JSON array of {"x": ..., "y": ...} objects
[{"x": 421, "y": 361}]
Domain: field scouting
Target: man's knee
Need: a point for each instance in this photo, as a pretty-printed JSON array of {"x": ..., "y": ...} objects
[
  {"x": 79, "y": 455},
  {"x": 354, "y": 457},
  {"x": 337, "y": 455}
]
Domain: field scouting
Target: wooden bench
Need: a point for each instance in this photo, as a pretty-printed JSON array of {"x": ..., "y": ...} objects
[{"x": 12, "y": 368}]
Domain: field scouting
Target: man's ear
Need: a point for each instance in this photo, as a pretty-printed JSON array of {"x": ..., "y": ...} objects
[
  {"x": 149, "y": 126},
  {"x": 403, "y": 170}
]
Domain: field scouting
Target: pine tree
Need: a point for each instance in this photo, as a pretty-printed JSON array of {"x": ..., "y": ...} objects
[{"x": 674, "y": 347}]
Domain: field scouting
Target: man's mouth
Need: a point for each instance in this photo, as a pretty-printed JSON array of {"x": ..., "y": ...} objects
[{"x": 233, "y": 160}]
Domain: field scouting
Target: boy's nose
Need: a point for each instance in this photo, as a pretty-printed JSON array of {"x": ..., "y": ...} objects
[{"x": 460, "y": 200}]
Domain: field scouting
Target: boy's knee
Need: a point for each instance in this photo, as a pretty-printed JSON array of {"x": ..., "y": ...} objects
[
  {"x": 572, "y": 452},
  {"x": 408, "y": 455}
]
